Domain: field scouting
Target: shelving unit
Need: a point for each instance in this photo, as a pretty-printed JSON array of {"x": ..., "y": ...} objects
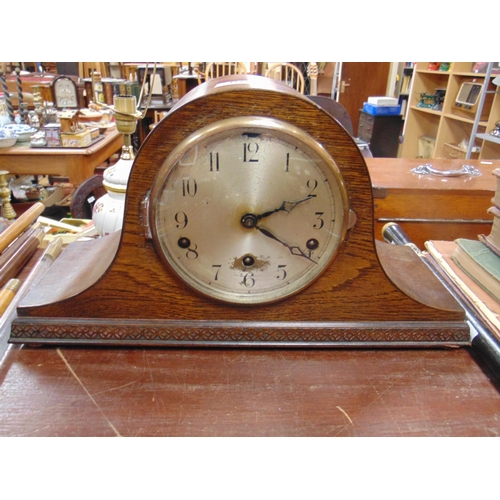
[
  {"x": 448, "y": 126},
  {"x": 406, "y": 76},
  {"x": 493, "y": 118}
]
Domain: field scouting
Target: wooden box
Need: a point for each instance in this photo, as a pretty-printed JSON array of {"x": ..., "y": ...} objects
[
  {"x": 431, "y": 207},
  {"x": 452, "y": 151}
]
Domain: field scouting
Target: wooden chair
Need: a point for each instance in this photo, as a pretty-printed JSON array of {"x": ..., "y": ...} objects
[
  {"x": 86, "y": 194},
  {"x": 159, "y": 115},
  {"x": 85, "y": 69},
  {"x": 287, "y": 73},
  {"x": 217, "y": 69}
]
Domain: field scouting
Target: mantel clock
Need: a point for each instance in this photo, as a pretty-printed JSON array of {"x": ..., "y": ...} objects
[
  {"x": 64, "y": 93},
  {"x": 248, "y": 222}
]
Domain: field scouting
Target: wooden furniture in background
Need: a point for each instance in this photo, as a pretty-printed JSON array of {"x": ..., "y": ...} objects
[
  {"x": 85, "y": 69},
  {"x": 452, "y": 124},
  {"x": 218, "y": 69},
  {"x": 430, "y": 207},
  {"x": 84, "y": 197},
  {"x": 28, "y": 82},
  {"x": 358, "y": 81},
  {"x": 287, "y": 73},
  {"x": 381, "y": 133},
  {"x": 77, "y": 164},
  {"x": 158, "y": 115}
]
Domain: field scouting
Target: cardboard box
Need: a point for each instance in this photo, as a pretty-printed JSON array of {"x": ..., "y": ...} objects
[{"x": 383, "y": 101}]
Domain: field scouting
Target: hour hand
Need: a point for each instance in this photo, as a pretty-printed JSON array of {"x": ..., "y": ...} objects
[{"x": 286, "y": 206}]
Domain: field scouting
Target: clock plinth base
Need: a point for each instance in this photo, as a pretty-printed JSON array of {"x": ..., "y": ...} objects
[
  {"x": 238, "y": 334},
  {"x": 87, "y": 262}
]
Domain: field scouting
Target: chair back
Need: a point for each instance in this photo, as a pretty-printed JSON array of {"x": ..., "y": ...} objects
[
  {"x": 158, "y": 116},
  {"x": 217, "y": 69},
  {"x": 86, "y": 194},
  {"x": 287, "y": 73}
]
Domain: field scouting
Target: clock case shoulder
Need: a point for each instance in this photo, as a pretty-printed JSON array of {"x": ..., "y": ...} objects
[{"x": 373, "y": 294}]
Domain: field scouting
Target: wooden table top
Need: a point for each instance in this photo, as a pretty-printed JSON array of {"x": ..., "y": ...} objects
[
  {"x": 24, "y": 148},
  {"x": 395, "y": 174},
  {"x": 78, "y": 164},
  {"x": 50, "y": 391}
]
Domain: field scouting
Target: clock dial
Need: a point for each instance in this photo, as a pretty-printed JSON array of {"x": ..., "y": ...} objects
[
  {"x": 65, "y": 93},
  {"x": 249, "y": 210}
]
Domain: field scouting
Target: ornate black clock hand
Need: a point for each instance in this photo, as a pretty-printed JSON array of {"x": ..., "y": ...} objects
[
  {"x": 286, "y": 206},
  {"x": 250, "y": 221},
  {"x": 294, "y": 250}
]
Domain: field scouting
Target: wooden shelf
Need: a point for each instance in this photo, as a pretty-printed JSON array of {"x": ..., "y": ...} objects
[
  {"x": 451, "y": 125},
  {"x": 463, "y": 119},
  {"x": 427, "y": 110}
]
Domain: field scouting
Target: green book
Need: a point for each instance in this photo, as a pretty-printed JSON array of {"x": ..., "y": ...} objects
[{"x": 480, "y": 263}]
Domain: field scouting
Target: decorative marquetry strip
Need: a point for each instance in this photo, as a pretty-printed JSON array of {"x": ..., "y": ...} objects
[{"x": 144, "y": 332}]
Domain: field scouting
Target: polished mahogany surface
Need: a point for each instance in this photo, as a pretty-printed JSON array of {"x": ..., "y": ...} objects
[{"x": 51, "y": 391}]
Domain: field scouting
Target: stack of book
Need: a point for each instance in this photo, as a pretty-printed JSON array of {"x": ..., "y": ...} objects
[
  {"x": 472, "y": 267},
  {"x": 492, "y": 240}
]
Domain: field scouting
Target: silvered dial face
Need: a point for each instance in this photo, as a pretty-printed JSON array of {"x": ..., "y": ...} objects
[
  {"x": 248, "y": 210},
  {"x": 65, "y": 94}
]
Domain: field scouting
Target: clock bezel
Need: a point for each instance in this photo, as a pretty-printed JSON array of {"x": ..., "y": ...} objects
[{"x": 283, "y": 131}]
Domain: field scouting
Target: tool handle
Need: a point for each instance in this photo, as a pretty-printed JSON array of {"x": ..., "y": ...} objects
[{"x": 20, "y": 225}]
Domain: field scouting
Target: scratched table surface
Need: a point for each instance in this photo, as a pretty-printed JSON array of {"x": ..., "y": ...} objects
[{"x": 69, "y": 391}]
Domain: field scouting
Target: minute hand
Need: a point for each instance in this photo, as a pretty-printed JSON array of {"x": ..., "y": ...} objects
[
  {"x": 286, "y": 206},
  {"x": 294, "y": 250}
]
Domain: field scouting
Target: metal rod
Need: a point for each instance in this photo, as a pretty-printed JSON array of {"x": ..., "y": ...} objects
[{"x": 482, "y": 340}]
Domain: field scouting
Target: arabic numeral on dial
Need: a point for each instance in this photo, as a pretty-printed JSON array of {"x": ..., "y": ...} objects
[
  {"x": 248, "y": 280},
  {"x": 181, "y": 220},
  {"x": 312, "y": 184},
  {"x": 191, "y": 253},
  {"x": 250, "y": 150},
  {"x": 281, "y": 272},
  {"x": 320, "y": 222},
  {"x": 217, "y": 269},
  {"x": 214, "y": 162},
  {"x": 189, "y": 187},
  {"x": 185, "y": 243}
]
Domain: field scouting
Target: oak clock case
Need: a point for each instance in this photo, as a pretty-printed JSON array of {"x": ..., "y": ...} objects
[{"x": 192, "y": 194}]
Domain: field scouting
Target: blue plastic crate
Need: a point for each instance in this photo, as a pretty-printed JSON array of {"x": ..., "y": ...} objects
[{"x": 381, "y": 110}]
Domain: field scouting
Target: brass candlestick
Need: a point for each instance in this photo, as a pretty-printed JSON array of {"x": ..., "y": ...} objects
[{"x": 8, "y": 211}]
